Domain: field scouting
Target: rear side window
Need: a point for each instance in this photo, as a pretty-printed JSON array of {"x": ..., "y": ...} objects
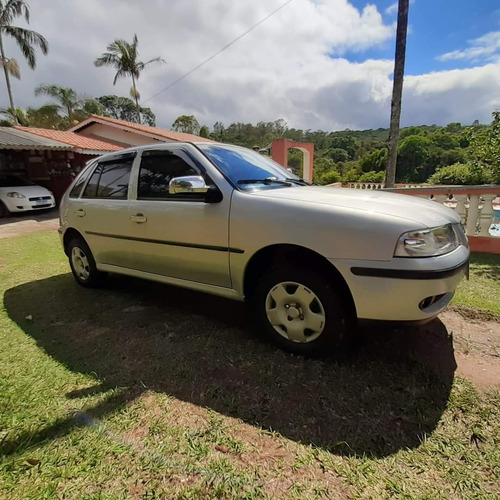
[
  {"x": 158, "y": 168},
  {"x": 77, "y": 188},
  {"x": 110, "y": 180}
]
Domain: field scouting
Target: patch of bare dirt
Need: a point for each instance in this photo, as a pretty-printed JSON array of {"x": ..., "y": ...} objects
[
  {"x": 477, "y": 347},
  {"x": 28, "y": 223}
]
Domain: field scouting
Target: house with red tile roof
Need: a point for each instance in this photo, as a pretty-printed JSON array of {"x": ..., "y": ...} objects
[
  {"x": 128, "y": 134},
  {"x": 80, "y": 143},
  {"x": 52, "y": 158}
]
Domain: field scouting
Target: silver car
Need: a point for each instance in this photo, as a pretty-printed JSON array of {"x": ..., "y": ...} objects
[{"x": 229, "y": 221}]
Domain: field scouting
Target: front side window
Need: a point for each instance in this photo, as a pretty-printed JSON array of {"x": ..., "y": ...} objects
[
  {"x": 158, "y": 168},
  {"x": 110, "y": 180},
  {"x": 249, "y": 170}
]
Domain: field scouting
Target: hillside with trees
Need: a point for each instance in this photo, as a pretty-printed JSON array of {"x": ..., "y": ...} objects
[{"x": 454, "y": 154}]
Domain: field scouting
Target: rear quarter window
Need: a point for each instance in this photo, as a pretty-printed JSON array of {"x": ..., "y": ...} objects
[
  {"x": 110, "y": 180},
  {"x": 80, "y": 182}
]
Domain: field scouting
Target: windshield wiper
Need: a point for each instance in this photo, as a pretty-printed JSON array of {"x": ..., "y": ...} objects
[
  {"x": 301, "y": 182},
  {"x": 267, "y": 180}
]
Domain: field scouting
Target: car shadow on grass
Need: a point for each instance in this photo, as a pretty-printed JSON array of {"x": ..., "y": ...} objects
[{"x": 386, "y": 394}]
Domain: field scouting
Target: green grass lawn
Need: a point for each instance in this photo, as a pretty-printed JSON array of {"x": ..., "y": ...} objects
[
  {"x": 138, "y": 390},
  {"x": 482, "y": 291}
]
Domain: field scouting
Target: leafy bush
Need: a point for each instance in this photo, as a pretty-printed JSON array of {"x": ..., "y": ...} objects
[
  {"x": 458, "y": 174},
  {"x": 352, "y": 175},
  {"x": 329, "y": 177},
  {"x": 372, "y": 176},
  {"x": 376, "y": 160},
  {"x": 485, "y": 149}
]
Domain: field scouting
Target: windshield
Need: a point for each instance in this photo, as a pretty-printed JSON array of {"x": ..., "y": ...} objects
[
  {"x": 248, "y": 169},
  {"x": 13, "y": 181}
]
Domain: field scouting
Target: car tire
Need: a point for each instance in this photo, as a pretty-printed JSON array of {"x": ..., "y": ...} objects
[
  {"x": 83, "y": 265},
  {"x": 300, "y": 310},
  {"x": 3, "y": 211}
]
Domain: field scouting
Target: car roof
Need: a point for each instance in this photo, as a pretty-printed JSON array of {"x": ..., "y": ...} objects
[{"x": 134, "y": 149}]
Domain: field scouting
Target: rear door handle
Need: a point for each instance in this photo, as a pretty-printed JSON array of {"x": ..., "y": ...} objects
[
  {"x": 80, "y": 212},
  {"x": 139, "y": 218}
]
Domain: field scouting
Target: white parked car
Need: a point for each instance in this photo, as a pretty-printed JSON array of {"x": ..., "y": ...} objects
[
  {"x": 226, "y": 220},
  {"x": 18, "y": 194}
]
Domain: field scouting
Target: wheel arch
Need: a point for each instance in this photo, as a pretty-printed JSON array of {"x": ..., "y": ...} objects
[
  {"x": 70, "y": 234},
  {"x": 298, "y": 256}
]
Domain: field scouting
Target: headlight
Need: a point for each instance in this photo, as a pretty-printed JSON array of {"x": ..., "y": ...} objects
[
  {"x": 14, "y": 194},
  {"x": 430, "y": 242}
]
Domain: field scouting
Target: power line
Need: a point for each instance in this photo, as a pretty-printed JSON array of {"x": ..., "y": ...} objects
[{"x": 215, "y": 54}]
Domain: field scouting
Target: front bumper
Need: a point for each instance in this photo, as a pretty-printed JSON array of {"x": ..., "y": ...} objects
[
  {"x": 25, "y": 204},
  {"x": 404, "y": 289}
]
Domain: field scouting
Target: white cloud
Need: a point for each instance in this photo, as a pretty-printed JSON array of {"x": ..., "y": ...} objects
[
  {"x": 462, "y": 95},
  {"x": 392, "y": 9},
  {"x": 294, "y": 66},
  {"x": 486, "y": 47}
]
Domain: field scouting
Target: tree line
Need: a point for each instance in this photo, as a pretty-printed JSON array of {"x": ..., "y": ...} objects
[{"x": 453, "y": 154}]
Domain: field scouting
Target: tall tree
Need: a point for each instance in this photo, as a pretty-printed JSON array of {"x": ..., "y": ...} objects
[
  {"x": 14, "y": 116},
  {"x": 123, "y": 56},
  {"x": 186, "y": 123},
  {"x": 26, "y": 39},
  {"x": 67, "y": 100},
  {"x": 123, "y": 108},
  {"x": 397, "y": 91}
]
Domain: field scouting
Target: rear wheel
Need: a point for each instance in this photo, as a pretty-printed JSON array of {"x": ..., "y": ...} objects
[
  {"x": 300, "y": 310},
  {"x": 83, "y": 265}
]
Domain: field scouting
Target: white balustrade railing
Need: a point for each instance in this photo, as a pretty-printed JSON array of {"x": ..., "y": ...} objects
[
  {"x": 377, "y": 185},
  {"x": 478, "y": 206}
]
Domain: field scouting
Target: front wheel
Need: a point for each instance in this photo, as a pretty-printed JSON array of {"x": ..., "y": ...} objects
[
  {"x": 300, "y": 310},
  {"x": 83, "y": 265}
]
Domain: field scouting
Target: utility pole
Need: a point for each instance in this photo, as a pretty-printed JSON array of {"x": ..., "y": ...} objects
[{"x": 397, "y": 91}]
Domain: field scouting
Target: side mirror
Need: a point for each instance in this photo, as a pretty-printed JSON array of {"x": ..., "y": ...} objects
[
  {"x": 195, "y": 184},
  {"x": 187, "y": 184}
]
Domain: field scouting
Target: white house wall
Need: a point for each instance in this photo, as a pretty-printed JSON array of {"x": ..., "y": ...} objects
[{"x": 106, "y": 132}]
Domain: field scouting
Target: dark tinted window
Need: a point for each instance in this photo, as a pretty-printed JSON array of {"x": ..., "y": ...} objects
[
  {"x": 77, "y": 188},
  {"x": 158, "y": 168},
  {"x": 110, "y": 180},
  {"x": 14, "y": 181}
]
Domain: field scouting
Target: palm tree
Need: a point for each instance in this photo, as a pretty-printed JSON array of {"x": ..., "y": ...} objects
[
  {"x": 25, "y": 39},
  {"x": 397, "y": 91},
  {"x": 122, "y": 56},
  {"x": 67, "y": 99},
  {"x": 14, "y": 116}
]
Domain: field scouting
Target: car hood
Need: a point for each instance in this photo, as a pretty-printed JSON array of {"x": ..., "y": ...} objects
[
  {"x": 424, "y": 212},
  {"x": 28, "y": 191}
]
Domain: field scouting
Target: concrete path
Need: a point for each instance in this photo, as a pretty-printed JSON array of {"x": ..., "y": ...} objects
[{"x": 28, "y": 223}]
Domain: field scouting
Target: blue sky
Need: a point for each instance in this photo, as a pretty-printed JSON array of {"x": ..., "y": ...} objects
[{"x": 436, "y": 27}]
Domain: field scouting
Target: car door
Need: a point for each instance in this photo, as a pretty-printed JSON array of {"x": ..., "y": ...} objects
[
  {"x": 101, "y": 213},
  {"x": 177, "y": 235}
]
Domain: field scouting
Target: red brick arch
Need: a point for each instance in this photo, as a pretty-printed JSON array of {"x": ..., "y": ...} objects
[{"x": 279, "y": 153}]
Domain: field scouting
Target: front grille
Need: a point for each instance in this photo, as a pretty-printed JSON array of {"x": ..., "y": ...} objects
[
  {"x": 36, "y": 198},
  {"x": 41, "y": 206}
]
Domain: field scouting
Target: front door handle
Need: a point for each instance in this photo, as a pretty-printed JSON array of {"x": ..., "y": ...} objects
[
  {"x": 139, "y": 218},
  {"x": 80, "y": 212}
]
